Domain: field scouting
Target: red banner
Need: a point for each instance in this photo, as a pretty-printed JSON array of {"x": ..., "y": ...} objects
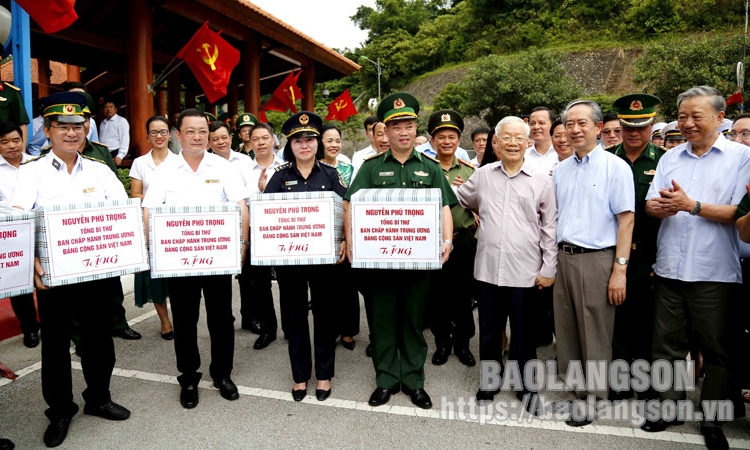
[
  {"x": 342, "y": 107},
  {"x": 211, "y": 60},
  {"x": 51, "y": 15}
]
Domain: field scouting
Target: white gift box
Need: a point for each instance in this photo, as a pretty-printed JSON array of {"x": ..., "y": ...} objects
[
  {"x": 90, "y": 241},
  {"x": 195, "y": 240},
  {"x": 295, "y": 228},
  {"x": 16, "y": 252},
  {"x": 396, "y": 229}
]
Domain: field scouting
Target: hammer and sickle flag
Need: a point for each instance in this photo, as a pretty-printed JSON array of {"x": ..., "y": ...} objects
[
  {"x": 342, "y": 107},
  {"x": 211, "y": 59}
]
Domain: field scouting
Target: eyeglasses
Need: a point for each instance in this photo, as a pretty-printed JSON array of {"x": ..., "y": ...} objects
[
  {"x": 66, "y": 128},
  {"x": 154, "y": 133},
  {"x": 191, "y": 133},
  {"x": 615, "y": 131},
  {"x": 743, "y": 135},
  {"x": 518, "y": 139}
]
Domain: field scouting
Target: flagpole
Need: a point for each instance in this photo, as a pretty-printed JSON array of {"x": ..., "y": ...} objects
[{"x": 162, "y": 78}]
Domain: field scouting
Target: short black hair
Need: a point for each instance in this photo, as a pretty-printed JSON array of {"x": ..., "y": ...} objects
[
  {"x": 262, "y": 126},
  {"x": 610, "y": 117},
  {"x": 544, "y": 108},
  {"x": 190, "y": 112},
  {"x": 480, "y": 130},
  {"x": 68, "y": 85},
  {"x": 371, "y": 120},
  {"x": 289, "y": 154},
  {"x": 156, "y": 118},
  {"x": 8, "y": 127},
  {"x": 742, "y": 116},
  {"x": 554, "y": 125},
  {"x": 215, "y": 126}
]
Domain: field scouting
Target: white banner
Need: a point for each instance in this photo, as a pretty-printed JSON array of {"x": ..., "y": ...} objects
[{"x": 16, "y": 257}]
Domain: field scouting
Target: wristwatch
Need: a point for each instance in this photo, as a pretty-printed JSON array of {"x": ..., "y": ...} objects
[
  {"x": 697, "y": 209},
  {"x": 621, "y": 261},
  {"x": 449, "y": 243}
]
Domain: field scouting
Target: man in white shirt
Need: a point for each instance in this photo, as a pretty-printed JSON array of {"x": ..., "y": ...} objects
[
  {"x": 375, "y": 132},
  {"x": 541, "y": 156},
  {"x": 114, "y": 132}
]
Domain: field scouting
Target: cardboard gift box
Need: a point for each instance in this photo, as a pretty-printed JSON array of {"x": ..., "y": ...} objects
[
  {"x": 16, "y": 252},
  {"x": 195, "y": 240},
  {"x": 295, "y": 228},
  {"x": 90, "y": 241},
  {"x": 396, "y": 229}
]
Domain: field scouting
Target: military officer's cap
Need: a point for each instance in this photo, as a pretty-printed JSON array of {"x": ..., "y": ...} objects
[
  {"x": 304, "y": 123},
  {"x": 636, "y": 110},
  {"x": 210, "y": 117},
  {"x": 725, "y": 127},
  {"x": 398, "y": 106},
  {"x": 89, "y": 106},
  {"x": 64, "y": 107},
  {"x": 670, "y": 132},
  {"x": 656, "y": 131},
  {"x": 445, "y": 118},
  {"x": 246, "y": 119}
]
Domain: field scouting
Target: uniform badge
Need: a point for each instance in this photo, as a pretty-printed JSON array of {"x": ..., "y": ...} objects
[
  {"x": 68, "y": 110},
  {"x": 445, "y": 118},
  {"x": 212, "y": 181},
  {"x": 3, "y": 99},
  {"x": 89, "y": 190},
  {"x": 290, "y": 183},
  {"x": 303, "y": 119},
  {"x": 56, "y": 164},
  {"x": 246, "y": 118},
  {"x": 649, "y": 172},
  {"x": 398, "y": 104},
  {"x": 385, "y": 174},
  {"x": 421, "y": 174},
  {"x": 636, "y": 105}
]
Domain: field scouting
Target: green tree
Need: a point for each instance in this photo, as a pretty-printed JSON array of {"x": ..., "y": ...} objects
[
  {"x": 499, "y": 86},
  {"x": 667, "y": 69}
]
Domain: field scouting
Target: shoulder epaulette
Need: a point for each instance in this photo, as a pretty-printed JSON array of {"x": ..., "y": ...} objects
[
  {"x": 45, "y": 150},
  {"x": 466, "y": 163},
  {"x": 662, "y": 148},
  {"x": 93, "y": 159},
  {"x": 32, "y": 159},
  {"x": 99, "y": 143},
  {"x": 283, "y": 167},
  {"x": 11, "y": 86},
  {"x": 430, "y": 158},
  {"x": 373, "y": 156}
]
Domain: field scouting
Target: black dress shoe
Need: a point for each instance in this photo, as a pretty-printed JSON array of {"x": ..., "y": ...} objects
[
  {"x": 349, "y": 345},
  {"x": 31, "y": 340},
  {"x": 56, "y": 432},
  {"x": 227, "y": 389},
  {"x": 263, "y": 341},
  {"x": 441, "y": 356},
  {"x": 7, "y": 444},
  {"x": 620, "y": 395},
  {"x": 577, "y": 423},
  {"x": 464, "y": 355},
  {"x": 168, "y": 336},
  {"x": 253, "y": 326},
  {"x": 486, "y": 396},
  {"x": 660, "y": 425},
  {"x": 189, "y": 396},
  {"x": 715, "y": 439},
  {"x": 419, "y": 397},
  {"x": 533, "y": 405},
  {"x": 299, "y": 394},
  {"x": 321, "y": 395},
  {"x": 368, "y": 350},
  {"x": 109, "y": 411},
  {"x": 128, "y": 334},
  {"x": 380, "y": 396}
]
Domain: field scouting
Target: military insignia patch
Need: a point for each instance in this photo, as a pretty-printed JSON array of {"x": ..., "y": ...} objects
[
  {"x": 290, "y": 183},
  {"x": 649, "y": 172},
  {"x": 245, "y": 117},
  {"x": 56, "y": 164},
  {"x": 445, "y": 118},
  {"x": 68, "y": 110},
  {"x": 303, "y": 119},
  {"x": 385, "y": 174},
  {"x": 398, "y": 104},
  {"x": 636, "y": 105},
  {"x": 421, "y": 174}
]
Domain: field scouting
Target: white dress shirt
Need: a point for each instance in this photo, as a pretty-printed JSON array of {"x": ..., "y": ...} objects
[
  {"x": 115, "y": 134},
  {"x": 541, "y": 163},
  {"x": 8, "y": 176}
]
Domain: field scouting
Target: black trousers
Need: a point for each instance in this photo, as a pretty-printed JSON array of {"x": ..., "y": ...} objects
[
  {"x": 634, "y": 318},
  {"x": 25, "y": 310},
  {"x": 256, "y": 298},
  {"x": 293, "y": 284},
  {"x": 496, "y": 304},
  {"x": 545, "y": 314},
  {"x": 451, "y": 291},
  {"x": 185, "y": 299},
  {"x": 347, "y": 309},
  {"x": 58, "y": 307}
]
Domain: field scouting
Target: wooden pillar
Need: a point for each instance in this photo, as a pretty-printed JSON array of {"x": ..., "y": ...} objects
[
  {"x": 161, "y": 102},
  {"x": 139, "y": 73},
  {"x": 42, "y": 69},
  {"x": 233, "y": 100},
  {"x": 73, "y": 72},
  {"x": 251, "y": 71},
  {"x": 175, "y": 88},
  {"x": 308, "y": 85}
]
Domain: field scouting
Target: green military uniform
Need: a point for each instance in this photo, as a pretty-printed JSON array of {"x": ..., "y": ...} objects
[
  {"x": 634, "y": 318},
  {"x": 11, "y": 105},
  {"x": 243, "y": 120},
  {"x": 399, "y": 297}
]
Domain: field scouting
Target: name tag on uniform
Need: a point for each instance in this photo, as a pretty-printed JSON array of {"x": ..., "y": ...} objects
[
  {"x": 649, "y": 172},
  {"x": 212, "y": 181},
  {"x": 385, "y": 174},
  {"x": 3, "y": 99},
  {"x": 89, "y": 190},
  {"x": 290, "y": 183},
  {"x": 421, "y": 174}
]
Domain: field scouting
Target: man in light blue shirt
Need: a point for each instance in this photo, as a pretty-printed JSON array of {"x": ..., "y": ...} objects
[
  {"x": 695, "y": 192},
  {"x": 596, "y": 204}
]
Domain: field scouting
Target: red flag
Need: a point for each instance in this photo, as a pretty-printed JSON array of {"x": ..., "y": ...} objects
[
  {"x": 273, "y": 104},
  {"x": 288, "y": 92},
  {"x": 212, "y": 60},
  {"x": 341, "y": 108},
  {"x": 51, "y": 15},
  {"x": 735, "y": 98}
]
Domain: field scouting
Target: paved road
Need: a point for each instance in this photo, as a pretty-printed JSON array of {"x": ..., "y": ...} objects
[{"x": 266, "y": 417}]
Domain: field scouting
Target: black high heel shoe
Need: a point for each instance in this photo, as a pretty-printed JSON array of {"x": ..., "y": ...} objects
[
  {"x": 299, "y": 394},
  {"x": 321, "y": 394},
  {"x": 349, "y": 345}
]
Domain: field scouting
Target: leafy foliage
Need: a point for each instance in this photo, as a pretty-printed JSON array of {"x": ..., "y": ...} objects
[{"x": 124, "y": 176}]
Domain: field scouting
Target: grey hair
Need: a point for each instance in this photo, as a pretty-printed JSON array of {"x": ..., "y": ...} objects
[
  {"x": 714, "y": 97},
  {"x": 596, "y": 110},
  {"x": 511, "y": 119}
]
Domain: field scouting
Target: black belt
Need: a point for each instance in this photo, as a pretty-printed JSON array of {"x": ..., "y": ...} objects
[
  {"x": 462, "y": 231},
  {"x": 572, "y": 249}
]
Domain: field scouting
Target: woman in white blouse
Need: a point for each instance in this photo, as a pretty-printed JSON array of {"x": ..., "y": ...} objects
[{"x": 141, "y": 175}]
